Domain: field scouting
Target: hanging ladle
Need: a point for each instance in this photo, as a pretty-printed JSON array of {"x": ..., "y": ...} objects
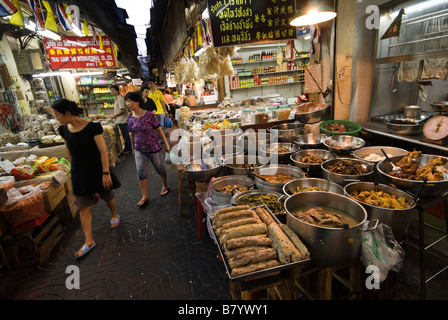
[{"x": 419, "y": 191}]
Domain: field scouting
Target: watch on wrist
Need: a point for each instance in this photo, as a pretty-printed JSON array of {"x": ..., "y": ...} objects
[{"x": 106, "y": 173}]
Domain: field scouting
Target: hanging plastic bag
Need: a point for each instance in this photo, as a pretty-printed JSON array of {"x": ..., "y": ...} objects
[
  {"x": 379, "y": 248},
  {"x": 168, "y": 122}
]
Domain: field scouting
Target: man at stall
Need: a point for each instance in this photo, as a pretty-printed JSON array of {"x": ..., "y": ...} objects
[
  {"x": 162, "y": 106},
  {"x": 121, "y": 117}
]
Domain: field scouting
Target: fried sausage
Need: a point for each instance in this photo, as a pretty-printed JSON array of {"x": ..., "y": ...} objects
[
  {"x": 223, "y": 218},
  {"x": 260, "y": 240},
  {"x": 229, "y": 209},
  {"x": 284, "y": 246},
  {"x": 254, "y": 267},
  {"x": 252, "y": 257},
  {"x": 296, "y": 241},
  {"x": 235, "y": 252},
  {"x": 264, "y": 216},
  {"x": 243, "y": 231},
  {"x": 236, "y": 223}
]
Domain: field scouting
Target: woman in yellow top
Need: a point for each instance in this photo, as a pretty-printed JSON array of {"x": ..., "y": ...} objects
[{"x": 161, "y": 104}]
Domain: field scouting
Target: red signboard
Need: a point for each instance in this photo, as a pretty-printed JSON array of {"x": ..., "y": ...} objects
[{"x": 80, "y": 52}]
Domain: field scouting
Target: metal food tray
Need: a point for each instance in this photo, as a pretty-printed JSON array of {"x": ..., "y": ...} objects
[
  {"x": 399, "y": 116},
  {"x": 260, "y": 273}
]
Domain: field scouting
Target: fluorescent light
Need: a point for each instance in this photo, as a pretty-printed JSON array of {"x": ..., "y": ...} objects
[
  {"x": 88, "y": 73},
  {"x": 30, "y": 25},
  {"x": 52, "y": 74},
  {"x": 314, "y": 15}
]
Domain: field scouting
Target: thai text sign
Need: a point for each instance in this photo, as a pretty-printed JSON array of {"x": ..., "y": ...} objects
[
  {"x": 236, "y": 22},
  {"x": 79, "y": 52}
]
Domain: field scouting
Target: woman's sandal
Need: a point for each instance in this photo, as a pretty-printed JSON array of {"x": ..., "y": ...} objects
[
  {"x": 84, "y": 250},
  {"x": 115, "y": 222},
  {"x": 144, "y": 204},
  {"x": 165, "y": 192}
]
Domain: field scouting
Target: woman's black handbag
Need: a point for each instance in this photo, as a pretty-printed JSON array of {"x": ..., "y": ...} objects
[{"x": 115, "y": 182}]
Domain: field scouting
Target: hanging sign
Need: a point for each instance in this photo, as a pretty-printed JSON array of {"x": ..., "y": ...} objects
[
  {"x": 79, "y": 52},
  {"x": 236, "y": 22}
]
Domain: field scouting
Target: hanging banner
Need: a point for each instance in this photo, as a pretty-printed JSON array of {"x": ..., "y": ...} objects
[
  {"x": 234, "y": 22},
  {"x": 79, "y": 52}
]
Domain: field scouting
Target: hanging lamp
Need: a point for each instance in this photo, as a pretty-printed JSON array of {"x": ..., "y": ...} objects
[{"x": 313, "y": 13}]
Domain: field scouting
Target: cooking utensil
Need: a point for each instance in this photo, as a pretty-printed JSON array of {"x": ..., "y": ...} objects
[
  {"x": 252, "y": 141},
  {"x": 343, "y": 179},
  {"x": 278, "y": 157},
  {"x": 440, "y": 106},
  {"x": 364, "y": 153},
  {"x": 237, "y": 198},
  {"x": 418, "y": 193},
  {"x": 222, "y": 151},
  {"x": 404, "y": 129},
  {"x": 232, "y": 164},
  {"x": 395, "y": 169},
  {"x": 311, "y": 141},
  {"x": 431, "y": 189},
  {"x": 318, "y": 113},
  {"x": 412, "y": 112},
  {"x": 204, "y": 170},
  {"x": 397, "y": 219},
  {"x": 343, "y": 144},
  {"x": 262, "y": 184},
  {"x": 286, "y": 132},
  {"x": 312, "y": 169},
  {"x": 328, "y": 247},
  {"x": 222, "y": 198},
  {"x": 290, "y": 188}
]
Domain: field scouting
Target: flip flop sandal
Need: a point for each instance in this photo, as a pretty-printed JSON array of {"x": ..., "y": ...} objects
[
  {"x": 165, "y": 192},
  {"x": 84, "y": 250},
  {"x": 115, "y": 222}
]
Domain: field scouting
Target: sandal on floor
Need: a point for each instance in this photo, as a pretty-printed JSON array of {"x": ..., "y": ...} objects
[
  {"x": 144, "y": 204},
  {"x": 165, "y": 192},
  {"x": 115, "y": 222},
  {"x": 84, "y": 250}
]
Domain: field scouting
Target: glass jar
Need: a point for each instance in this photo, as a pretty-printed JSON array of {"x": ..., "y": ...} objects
[
  {"x": 272, "y": 112},
  {"x": 247, "y": 117},
  {"x": 261, "y": 116},
  {"x": 283, "y": 113}
]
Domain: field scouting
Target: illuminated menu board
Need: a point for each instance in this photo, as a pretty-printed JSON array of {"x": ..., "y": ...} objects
[{"x": 236, "y": 22}]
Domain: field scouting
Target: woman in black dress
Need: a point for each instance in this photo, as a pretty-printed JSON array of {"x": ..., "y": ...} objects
[{"x": 90, "y": 166}]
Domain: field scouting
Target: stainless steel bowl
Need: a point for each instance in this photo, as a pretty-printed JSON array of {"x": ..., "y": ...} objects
[
  {"x": 222, "y": 151},
  {"x": 309, "y": 117},
  {"x": 404, "y": 129},
  {"x": 286, "y": 132},
  {"x": 250, "y": 163},
  {"x": 204, "y": 170},
  {"x": 274, "y": 207},
  {"x": 290, "y": 188},
  {"x": 275, "y": 157},
  {"x": 397, "y": 219},
  {"x": 431, "y": 189},
  {"x": 311, "y": 141},
  {"x": 342, "y": 179},
  {"x": 224, "y": 137},
  {"x": 312, "y": 169},
  {"x": 328, "y": 246},
  {"x": 252, "y": 141},
  {"x": 441, "y": 106},
  {"x": 271, "y": 169},
  {"x": 362, "y": 153},
  {"x": 344, "y": 144},
  {"x": 223, "y": 198}
]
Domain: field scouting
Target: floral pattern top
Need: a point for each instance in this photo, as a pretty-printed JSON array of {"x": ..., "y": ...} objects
[{"x": 146, "y": 138}]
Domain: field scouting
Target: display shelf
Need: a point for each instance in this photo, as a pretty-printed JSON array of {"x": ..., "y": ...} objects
[
  {"x": 270, "y": 60},
  {"x": 268, "y": 85},
  {"x": 268, "y": 73}
]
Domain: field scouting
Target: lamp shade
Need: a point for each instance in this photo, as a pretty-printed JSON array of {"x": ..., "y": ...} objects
[{"x": 313, "y": 13}]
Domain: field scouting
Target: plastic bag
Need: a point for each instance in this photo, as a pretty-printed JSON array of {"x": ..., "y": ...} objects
[
  {"x": 168, "y": 122},
  {"x": 23, "y": 172},
  {"x": 23, "y": 207},
  {"x": 7, "y": 182},
  {"x": 379, "y": 248}
]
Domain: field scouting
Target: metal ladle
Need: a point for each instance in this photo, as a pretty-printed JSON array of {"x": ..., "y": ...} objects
[{"x": 395, "y": 169}]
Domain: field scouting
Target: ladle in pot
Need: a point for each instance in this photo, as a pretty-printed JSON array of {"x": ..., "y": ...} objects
[
  {"x": 417, "y": 194},
  {"x": 395, "y": 169}
]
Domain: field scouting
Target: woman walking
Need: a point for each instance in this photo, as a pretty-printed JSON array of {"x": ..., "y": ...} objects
[
  {"x": 90, "y": 166},
  {"x": 146, "y": 133}
]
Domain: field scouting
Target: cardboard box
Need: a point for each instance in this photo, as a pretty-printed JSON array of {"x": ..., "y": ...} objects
[
  {"x": 53, "y": 197},
  {"x": 74, "y": 210},
  {"x": 68, "y": 184}
]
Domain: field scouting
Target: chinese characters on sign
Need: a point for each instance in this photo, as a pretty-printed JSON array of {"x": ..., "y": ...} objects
[
  {"x": 79, "y": 52},
  {"x": 236, "y": 22}
]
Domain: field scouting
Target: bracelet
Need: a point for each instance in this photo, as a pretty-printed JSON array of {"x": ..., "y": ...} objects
[{"x": 106, "y": 173}]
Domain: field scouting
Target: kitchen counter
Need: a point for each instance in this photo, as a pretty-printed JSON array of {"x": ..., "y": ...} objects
[{"x": 377, "y": 131}]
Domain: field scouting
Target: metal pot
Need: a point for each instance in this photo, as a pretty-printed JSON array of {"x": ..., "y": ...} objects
[
  {"x": 287, "y": 132},
  {"x": 317, "y": 113},
  {"x": 311, "y": 141},
  {"x": 312, "y": 169},
  {"x": 329, "y": 247},
  {"x": 440, "y": 106},
  {"x": 344, "y": 144},
  {"x": 235, "y": 201},
  {"x": 222, "y": 198},
  {"x": 272, "y": 170},
  {"x": 342, "y": 179},
  {"x": 252, "y": 141},
  {"x": 431, "y": 189},
  {"x": 223, "y": 151},
  {"x": 362, "y": 153},
  {"x": 204, "y": 170},
  {"x": 232, "y": 165},
  {"x": 397, "y": 219},
  {"x": 274, "y": 157},
  {"x": 290, "y": 187},
  {"x": 412, "y": 112},
  {"x": 404, "y": 128}
]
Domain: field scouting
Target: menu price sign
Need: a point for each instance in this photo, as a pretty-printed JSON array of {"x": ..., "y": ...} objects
[
  {"x": 235, "y": 22},
  {"x": 79, "y": 52}
]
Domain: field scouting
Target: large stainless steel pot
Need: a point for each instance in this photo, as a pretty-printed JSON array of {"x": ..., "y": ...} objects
[
  {"x": 311, "y": 141},
  {"x": 365, "y": 152},
  {"x": 271, "y": 169},
  {"x": 222, "y": 198},
  {"x": 222, "y": 151},
  {"x": 397, "y": 219},
  {"x": 344, "y": 144},
  {"x": 276, "y": 157},
  {"x": 204, "y": 170},
  {"x": 275, "y": 207},
  {"x": 311, "y": 112},
  {"x": 290, "y": 188},
  {"x": 286, "y": 132},
  {"x": 431, "y": 189},
  {"x": 342, "y": 179},
  {"x": 252, "y": 141},
  {"x": 329, "y": 247},
  {"x": 243, "y": 164},
  {"x": 312, "y": 169}
]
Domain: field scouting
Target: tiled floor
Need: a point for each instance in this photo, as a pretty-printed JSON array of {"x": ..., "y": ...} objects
[{"x": 153, "y": 255}]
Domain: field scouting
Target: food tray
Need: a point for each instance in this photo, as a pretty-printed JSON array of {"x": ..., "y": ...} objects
[{"x": 260, "y": 273}]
